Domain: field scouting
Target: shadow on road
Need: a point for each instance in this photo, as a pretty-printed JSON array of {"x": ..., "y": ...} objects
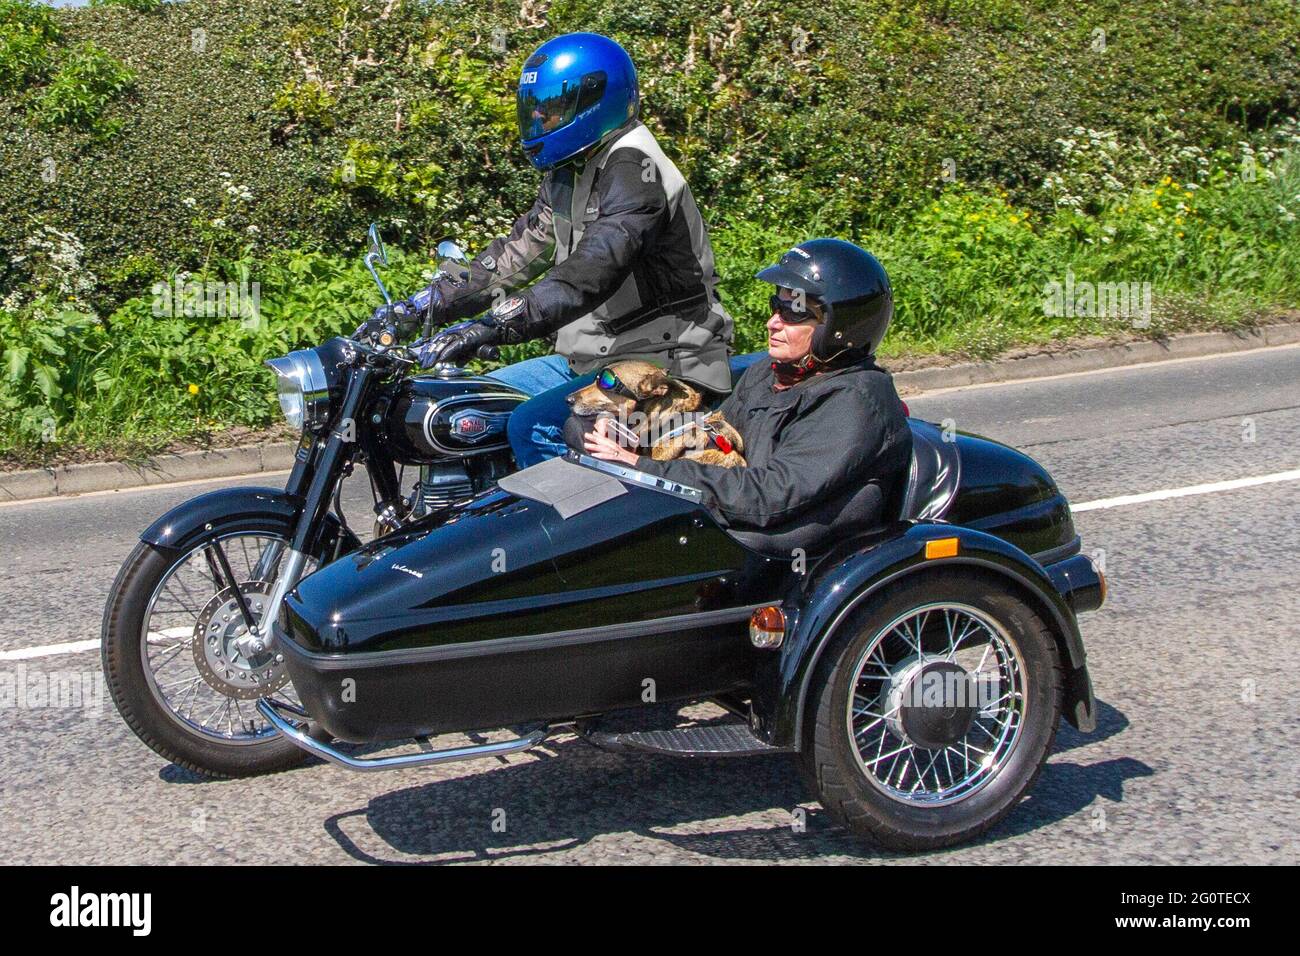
[{"x": 574, "y": 794}]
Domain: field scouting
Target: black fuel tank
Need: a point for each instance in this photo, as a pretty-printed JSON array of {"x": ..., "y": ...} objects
[{"x": 447, "y": 415}]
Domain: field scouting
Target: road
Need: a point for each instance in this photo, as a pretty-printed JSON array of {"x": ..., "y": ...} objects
[{"x": 1193, "y": 760}]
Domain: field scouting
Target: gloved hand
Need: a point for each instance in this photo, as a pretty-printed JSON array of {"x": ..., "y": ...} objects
[
  {"x": 459, "y": 343},
  {"x": 409, "y": 315},
  {"x": 507, "y": 324}
]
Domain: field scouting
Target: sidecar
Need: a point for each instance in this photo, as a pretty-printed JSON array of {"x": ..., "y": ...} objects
[{"x": 917, "y": 670}]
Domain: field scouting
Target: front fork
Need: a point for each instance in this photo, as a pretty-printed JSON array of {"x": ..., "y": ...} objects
[{"x": 315, "y": 480}]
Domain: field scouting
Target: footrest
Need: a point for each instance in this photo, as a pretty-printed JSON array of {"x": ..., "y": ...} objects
[{"x": 723, "y": 740}]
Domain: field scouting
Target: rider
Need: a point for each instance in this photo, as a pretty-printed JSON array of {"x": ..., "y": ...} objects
[
  {"x": 628, "y": 268},
  {"x": 825, "y": 435}
]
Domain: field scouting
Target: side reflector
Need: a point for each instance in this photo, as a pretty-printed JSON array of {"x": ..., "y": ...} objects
[
  {"x": 767, "y": 627},
  {"x": 941, "y": 548}
]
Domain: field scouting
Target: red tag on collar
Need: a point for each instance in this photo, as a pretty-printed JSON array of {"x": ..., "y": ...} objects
[{"x": 724, "y": 445}]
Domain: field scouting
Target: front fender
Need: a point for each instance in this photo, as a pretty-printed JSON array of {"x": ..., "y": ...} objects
[
  {"x": 238, "y": 509},
  {"x": 781, "y": 698}
]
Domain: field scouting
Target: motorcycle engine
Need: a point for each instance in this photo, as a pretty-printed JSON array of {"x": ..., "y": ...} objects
[{"x": 441, "y": 484}]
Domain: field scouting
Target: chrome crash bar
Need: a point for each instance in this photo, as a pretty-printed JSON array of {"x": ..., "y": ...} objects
[{"x": 299, "y": 737}]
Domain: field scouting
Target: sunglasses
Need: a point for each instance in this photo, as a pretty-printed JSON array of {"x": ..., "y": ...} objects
[
  {"x": 607, "y": 381},
  {"x": 789, "y": 314}
]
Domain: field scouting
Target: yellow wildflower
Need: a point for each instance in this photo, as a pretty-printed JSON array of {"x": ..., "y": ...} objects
[{"x": 194, "y": 389}]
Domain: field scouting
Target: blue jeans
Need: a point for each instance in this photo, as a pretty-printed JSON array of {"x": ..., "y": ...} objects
[{"x": 536, "y": 427}]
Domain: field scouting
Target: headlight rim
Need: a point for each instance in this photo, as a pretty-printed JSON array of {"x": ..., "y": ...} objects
[{"x": 303, "y": 370}]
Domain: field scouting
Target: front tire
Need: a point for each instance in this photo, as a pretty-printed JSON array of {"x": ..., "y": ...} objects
[
  {"x": 221, "y": 735},
  {"x": 916, "y": 744}
]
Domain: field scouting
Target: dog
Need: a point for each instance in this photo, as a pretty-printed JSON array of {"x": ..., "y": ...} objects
[{"x": 666, "y": 414}]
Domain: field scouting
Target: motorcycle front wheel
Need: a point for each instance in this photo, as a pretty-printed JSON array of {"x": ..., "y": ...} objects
[{"x": 179, "y": 663}]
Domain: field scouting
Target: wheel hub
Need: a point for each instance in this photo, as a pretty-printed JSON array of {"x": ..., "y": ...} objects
[
  {"x": 230, "y": 659},
  {"x": 931, "y": 702}
]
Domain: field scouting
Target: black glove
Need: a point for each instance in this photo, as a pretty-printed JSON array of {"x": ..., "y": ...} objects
[
  {"x": 460, "y": 343},
  {"x": 507, "y": 324}
]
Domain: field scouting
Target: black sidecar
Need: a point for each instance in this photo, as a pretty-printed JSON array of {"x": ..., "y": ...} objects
[{"x": 917, "y": 670}]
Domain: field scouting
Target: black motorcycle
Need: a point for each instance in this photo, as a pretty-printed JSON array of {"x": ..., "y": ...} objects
[
  {"x": 186, "y": 650},
  {"x": 918, "y": 671}
]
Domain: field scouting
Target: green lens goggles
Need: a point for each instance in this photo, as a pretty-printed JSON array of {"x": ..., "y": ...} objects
[{"x": 607, "y": 381}]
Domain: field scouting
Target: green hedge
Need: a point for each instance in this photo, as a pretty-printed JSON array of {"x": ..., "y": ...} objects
[
  {"x": 980, "y": 147},
  {"x": 837, "y": 116},
  {"x": 970, "y": 273}
]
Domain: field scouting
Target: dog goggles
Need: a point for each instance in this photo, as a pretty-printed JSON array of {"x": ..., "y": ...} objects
[{"x": 607, "y": 381}]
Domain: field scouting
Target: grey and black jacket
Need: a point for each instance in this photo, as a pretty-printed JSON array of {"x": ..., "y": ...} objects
[
  {"x": 826, "y": 457},
  {"x": 626, "y": 265}
]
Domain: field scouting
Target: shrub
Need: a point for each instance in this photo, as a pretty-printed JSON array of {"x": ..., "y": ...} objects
[
  {"x": 88, "y": 79},
  {"x": 27, "y": 33}
]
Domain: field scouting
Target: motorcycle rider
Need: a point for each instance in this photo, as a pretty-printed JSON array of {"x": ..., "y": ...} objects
[{"x": 625, "y": 264}]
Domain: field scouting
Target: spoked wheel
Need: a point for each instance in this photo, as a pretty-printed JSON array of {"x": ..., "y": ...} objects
[
  {"x": 181, "y": 665},
  {"x": 933, "y": 713}
]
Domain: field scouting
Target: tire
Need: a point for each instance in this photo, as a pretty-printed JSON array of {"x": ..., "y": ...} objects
[
  {"x": 130, "y": 686},
  {"x": 843, "y": 779}
]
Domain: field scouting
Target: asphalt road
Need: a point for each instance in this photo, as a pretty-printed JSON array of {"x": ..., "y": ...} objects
[{"x": 1194, "y": 760}]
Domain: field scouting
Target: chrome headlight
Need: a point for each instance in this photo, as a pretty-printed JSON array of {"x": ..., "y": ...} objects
[{"x": 302, "y": 387}]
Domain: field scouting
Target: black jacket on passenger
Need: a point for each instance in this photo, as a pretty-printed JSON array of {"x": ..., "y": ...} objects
[{"x": 826, "y": 456}]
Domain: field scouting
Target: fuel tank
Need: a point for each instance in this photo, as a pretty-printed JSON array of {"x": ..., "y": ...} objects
[{"x": 451, "y": 414}]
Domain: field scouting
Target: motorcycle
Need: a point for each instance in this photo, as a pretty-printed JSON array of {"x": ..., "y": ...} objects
[
  {"x": 917, "y": 671},
  {"x": 187, "y": 643}
]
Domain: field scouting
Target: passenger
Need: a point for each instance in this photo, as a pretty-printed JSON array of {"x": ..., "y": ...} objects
[{"x": 825, "y": 435}]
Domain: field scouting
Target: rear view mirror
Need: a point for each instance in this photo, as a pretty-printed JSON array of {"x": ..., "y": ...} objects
[
  {"x": 377, "y": 252},
  {"x": 448, "y": 249},
  {"x": 377, "y": 255}
]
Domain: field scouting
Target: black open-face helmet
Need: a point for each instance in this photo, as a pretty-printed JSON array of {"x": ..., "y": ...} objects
[{"x": 850, "y": 287}]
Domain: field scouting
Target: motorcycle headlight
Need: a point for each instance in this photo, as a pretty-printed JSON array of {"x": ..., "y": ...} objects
[{"x": 302, "y": 387}]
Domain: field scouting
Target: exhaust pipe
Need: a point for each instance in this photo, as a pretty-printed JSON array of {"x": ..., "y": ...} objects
[{"x": 301, "y": 739}]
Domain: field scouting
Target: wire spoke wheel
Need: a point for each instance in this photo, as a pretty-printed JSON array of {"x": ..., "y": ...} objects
[
  {"x": 200, "y": 662},
  {"x": 936, "y": 705}
]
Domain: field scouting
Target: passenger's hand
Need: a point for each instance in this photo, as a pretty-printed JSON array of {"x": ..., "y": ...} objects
[{"x": 600, "y": 445}]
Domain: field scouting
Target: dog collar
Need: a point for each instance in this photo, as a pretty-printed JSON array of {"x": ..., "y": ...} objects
[{"x": 720, "y": 440}]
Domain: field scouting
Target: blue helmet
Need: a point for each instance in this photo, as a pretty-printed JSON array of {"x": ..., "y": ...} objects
[{"x": 573, "y": 92}]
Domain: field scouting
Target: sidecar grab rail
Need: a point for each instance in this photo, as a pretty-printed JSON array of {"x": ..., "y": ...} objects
[{"x": 301, "y": 739}]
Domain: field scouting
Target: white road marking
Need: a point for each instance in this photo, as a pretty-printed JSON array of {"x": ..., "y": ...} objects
[
  {"x": 49, "y": 650},
  {"x": 1053, "y": 376},
  {"x": 172, "y": 633},
  {"x": 80, "y": 647},
  {"x": 1205, "y": 489}
]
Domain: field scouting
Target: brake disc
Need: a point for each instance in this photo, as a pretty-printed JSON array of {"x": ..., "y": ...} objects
[{"x": 229, "y": 659}]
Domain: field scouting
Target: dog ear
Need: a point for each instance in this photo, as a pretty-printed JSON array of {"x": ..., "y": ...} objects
[{"x": 653, "y": 383}]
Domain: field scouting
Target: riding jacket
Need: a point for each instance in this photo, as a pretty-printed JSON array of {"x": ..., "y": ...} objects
[{"x": 626, "y": 267}]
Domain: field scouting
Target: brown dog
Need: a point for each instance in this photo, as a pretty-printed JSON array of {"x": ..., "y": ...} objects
[{"x": 663, "y": 415}]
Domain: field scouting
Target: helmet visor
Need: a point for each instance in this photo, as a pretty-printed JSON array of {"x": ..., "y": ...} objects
[{"x": 546, "y": 106}]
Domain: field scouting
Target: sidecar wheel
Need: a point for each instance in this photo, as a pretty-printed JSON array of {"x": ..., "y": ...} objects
[
  {"x": 180, "y": 707},
  {"x": 933, "y": 713}
]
